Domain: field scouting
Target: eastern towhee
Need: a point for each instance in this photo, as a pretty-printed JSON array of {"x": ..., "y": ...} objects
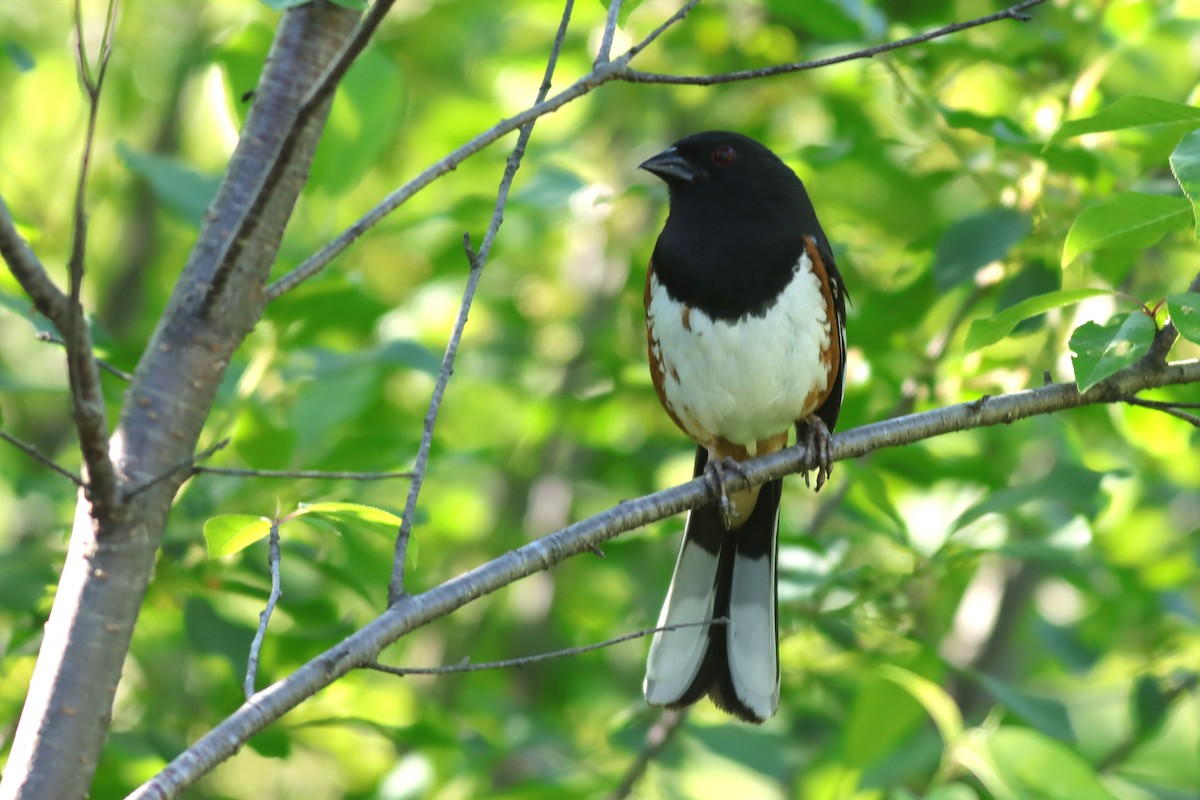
[{"x": 745, "y": 327}]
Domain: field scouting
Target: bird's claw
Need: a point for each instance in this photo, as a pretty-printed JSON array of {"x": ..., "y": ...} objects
[
  {"x": 818, "y": 447},
  {"x": 714, "y": 475}
]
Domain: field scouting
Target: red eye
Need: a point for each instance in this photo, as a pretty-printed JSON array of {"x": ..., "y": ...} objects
[{"x": 724, "y": 155}]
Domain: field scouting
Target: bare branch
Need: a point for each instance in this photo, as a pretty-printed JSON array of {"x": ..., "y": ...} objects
[
  {"x": 41, "y": 458},
  {"x": 610, "y": 29},
  {"x": 51, "y": 338},
  {"x": 1013, "y": 12},
  {"x": 265, "y": 616},
  {"x": 598, "y": 76},
  {"x": 185, "y": 465},
  {"x": 466, "y": 666},
  {"x": 1168, "y": 408},
  {"x": 314, "y": 100},
  {"x": 414, "y": 611},
  {"x": 301, "y": 474},
  {"x": 657, "y": 738},
  {"x": 47, "y": 298},
  {"x": 87, "y": 396},
  {"x": 477, "y": 261}
]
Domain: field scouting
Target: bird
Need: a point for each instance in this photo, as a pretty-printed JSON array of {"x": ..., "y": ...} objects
[{"x": 746, "y": 338}]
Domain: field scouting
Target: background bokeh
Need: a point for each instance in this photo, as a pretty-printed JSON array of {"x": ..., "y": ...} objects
[{"x": 1039, "y": 579}]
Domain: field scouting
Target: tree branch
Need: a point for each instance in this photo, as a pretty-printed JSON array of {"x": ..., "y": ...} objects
[
  {"x": 302, "y": 474},
  {"x": 466, "y": 666},
  {"x": 603, "y": 73},
  {"x": 414, "y": 611},
  {"x": 1013, "y": 12},
  {"x": 47, "y": 298},
  {"x": 265, "y": 617},
  {"x": 657, "y": 738},
  {"x": 40, "y": 457},
  {"x": 396, "y": 584},
  {"x": 87, "y": 396},
  {"x": 315, "y": 99}
]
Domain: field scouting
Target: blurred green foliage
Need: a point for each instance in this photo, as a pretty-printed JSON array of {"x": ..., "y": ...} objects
[{"x": 1007, "y": 613}]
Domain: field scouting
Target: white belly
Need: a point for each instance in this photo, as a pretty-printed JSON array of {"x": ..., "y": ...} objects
[{"x": 746, "y": 381}]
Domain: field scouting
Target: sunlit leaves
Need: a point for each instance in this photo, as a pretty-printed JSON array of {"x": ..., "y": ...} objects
[
  {"x": 976, "y": 241},
  {"x": 228, "y": 533},
  {"x": 1185, "y": 164},
  {"x": 182, "y": 188},
  {"x": 1101, "y": 350},
  {"x": 1127, "y": 219},
  {"x": 1133, "y": 112},
  {"x": 1185, "y": 313},
  {"x": 990, "y": 330}
]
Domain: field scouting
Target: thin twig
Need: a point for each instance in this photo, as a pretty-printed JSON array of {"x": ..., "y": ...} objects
[
  {"x": 598, "y": 76},
  {"x": 1013, "y": 12},
  {"x": 41, "y": 458},
  {"x": 300, "y": 474},
  {"x": 188, "y": 464},
  {"x": 50, "y": 337},
  {"x": 657, "y": 738},
  {"x": 466, "y": 666},
  {"x": 24, "y": 265},
  {"x": 1123, "y": 749},
  {"x": 610, "y": 29},
  {"x": 273, "y": 171},
  {"x": 87, "y": 396},
  {"x": 265, "y": 616},
  {"x": 1168, "y": 408},
  {"x": 477, "y": 261}
]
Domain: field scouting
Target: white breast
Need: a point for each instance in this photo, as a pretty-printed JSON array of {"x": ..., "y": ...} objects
[{"x": 748, "y": 380}]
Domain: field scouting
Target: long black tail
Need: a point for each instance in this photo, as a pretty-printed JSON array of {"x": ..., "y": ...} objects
[{"x": 722, "y": 573}]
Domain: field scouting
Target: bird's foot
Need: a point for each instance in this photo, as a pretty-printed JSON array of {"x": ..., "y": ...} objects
[
  {"x": 715, "y": 474},
  {"x": 818, "y": 447}
]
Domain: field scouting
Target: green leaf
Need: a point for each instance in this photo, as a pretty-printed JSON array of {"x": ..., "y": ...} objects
[
  {"x": 21, "y": 57},
  {"x": 977, "y": 241},
  {"x": 1101, "y": 351},
  {"x": 1185, "y": 165},
  {"x": 362, "y": 123},
  {"x": 1039, "y": 767},
  {"x": 1132, "y": 112},
  {"x": 1185, "y": 313},
  {"x": 938, "y": 704},
  {"x": 377, "y": 519},
  {"x": 229, "y": 533},
  {"x": 626, "y": 9},
  {"x": 990, "y": 330},
  {"x": 283, "y": 5},
  {"x": 1000, "y": 128},
  {"x": 1128, "y": 219},
  {"x": 182, "y": 189},
  {"x": 353, "y": 5},
  {"x": 1046, "y": 714},
  {"x": 1148, "y": 707}
]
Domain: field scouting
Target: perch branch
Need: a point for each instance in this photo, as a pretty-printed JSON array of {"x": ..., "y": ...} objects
[{"x": 414, "y": 611}]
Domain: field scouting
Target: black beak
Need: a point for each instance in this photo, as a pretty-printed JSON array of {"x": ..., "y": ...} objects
[{"x": 671, "y": 167}]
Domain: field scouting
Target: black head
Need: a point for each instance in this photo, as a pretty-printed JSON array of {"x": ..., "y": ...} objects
[
  {"x": 719, "y": 161},
  {"x": 738, "y": 220}
]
